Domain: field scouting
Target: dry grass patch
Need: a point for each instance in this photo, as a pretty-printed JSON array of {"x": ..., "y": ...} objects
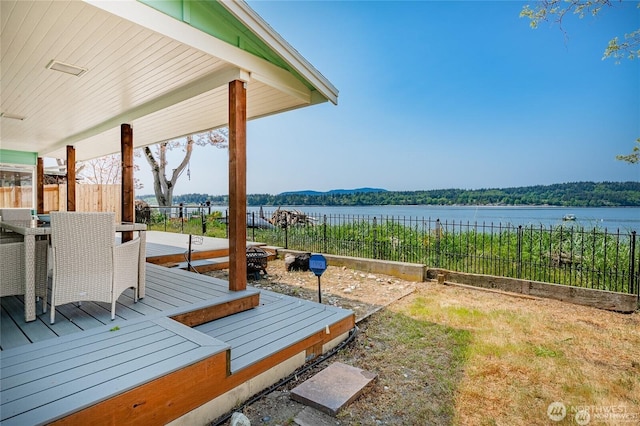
[
  {"x": 448, "y": 355},
  {"x": 419, "y": 366},
  {"x": 527, "y": 353}
]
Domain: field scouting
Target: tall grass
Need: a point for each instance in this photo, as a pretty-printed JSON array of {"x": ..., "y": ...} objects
[
  {"x": 562, "y": 254},
  {"x": 559, "y": 254}
]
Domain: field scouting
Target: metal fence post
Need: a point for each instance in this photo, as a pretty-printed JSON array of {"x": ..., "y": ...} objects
[
  {"x": 519, "y": 254},
  {"x": 375, "y": 239},
  {"x": 324, "y": 233},
  {"x": 634, "y": 281},
  {"x": 438, "y": 232},
  {"x": 253, "y": 226},
  {"x": 286, "y": 236}
]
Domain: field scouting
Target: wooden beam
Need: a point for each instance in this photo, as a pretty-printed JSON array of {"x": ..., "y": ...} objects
[
  {"x": 40, "y": 186},
  {"x": 71, "y": 178},
  {"x": 127, "y": 205},
  {"x": 237, "y": 186}
]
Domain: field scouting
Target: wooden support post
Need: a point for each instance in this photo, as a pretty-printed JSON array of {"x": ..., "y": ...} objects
[
  {"x": 71, "y": 178},
  {"x": 237, "y": 186},
  {"x": 40, "y": 186},
  {"x": 127, "y": 208}
]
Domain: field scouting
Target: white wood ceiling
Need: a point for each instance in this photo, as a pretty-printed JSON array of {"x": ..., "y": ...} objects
[{"x": 164, "y": 86}]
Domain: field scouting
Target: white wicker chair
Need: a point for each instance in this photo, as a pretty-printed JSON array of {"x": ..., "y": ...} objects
[
  {"x": 12, "y": 265},
  {"x": 12, "y": 268},
  {"x": 13, "y": 214},
  {"x": 87, "y": 263}
]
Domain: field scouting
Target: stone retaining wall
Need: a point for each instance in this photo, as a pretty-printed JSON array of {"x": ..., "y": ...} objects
[{"x": 601, "y": 299}]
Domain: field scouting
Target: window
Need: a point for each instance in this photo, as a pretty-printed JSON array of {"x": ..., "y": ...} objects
[{"x": 17, "y": 186}]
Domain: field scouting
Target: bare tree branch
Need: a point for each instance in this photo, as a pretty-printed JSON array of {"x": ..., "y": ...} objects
[{"x": 163, "y": 187}]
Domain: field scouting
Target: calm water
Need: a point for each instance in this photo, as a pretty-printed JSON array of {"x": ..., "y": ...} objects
[{"x": 612, "y": 218}]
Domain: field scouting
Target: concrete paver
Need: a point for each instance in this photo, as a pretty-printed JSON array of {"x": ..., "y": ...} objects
[{"x": 333, "y": 388}]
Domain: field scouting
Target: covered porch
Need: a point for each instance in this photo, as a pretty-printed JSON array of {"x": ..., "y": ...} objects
[
  {"x": 83, "y": 79},
  {"x": 86, "y": 78}
]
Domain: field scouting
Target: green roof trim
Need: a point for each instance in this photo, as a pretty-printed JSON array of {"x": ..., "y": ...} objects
[
  {"x": 212, "y": 18},
  {"x": 8, "y": 156}
]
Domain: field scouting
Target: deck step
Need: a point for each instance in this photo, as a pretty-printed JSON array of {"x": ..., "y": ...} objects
[{"x": 206, "y": 265}]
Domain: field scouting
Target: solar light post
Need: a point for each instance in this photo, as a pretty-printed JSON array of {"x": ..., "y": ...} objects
[{"x": 318, "y": 264}]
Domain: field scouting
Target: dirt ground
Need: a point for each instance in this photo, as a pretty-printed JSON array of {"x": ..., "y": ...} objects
[
  {"x": 363, "y": 293},
  {"x": 514, "y": 348}
]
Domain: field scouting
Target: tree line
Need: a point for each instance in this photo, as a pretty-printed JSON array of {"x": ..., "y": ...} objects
[{"x": 574, "y": 194}]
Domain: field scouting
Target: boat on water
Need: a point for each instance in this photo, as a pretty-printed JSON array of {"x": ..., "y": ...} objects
[{"x": 569, "y": 217}]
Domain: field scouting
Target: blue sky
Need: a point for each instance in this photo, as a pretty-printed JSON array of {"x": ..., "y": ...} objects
[{"x": 440, "y": 94}]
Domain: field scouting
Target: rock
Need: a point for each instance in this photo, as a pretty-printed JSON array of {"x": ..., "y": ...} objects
[{"x": 239, "y": 419}]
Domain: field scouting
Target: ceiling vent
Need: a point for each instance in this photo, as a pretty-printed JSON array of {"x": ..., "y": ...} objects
[{"x": 66, "y": 68}]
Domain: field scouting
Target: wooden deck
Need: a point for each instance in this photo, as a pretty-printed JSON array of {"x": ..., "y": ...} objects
[
  {"x": 173, "y": 351},
  {"x": 171, "y": 248},
  {"x": 170, "y": 292}
]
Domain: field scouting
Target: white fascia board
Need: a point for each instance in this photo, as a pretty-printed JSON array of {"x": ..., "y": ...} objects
[
  {"x": 243, "y": 12},
  {"x": 177, "y": 95},
  {"x": 157, "y": 21}
]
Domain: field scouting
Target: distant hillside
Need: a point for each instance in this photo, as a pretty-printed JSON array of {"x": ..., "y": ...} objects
[
  {"x": 574, "y": 194},
  {"x": 334, "y": 192}
]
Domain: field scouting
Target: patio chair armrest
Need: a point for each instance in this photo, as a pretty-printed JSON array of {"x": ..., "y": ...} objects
[{"x": 125, "y": 266}]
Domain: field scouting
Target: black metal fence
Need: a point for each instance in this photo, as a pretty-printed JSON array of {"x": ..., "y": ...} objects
[
  {"x": 564, "y": 254},
  {"x": 185, "y": 219}
]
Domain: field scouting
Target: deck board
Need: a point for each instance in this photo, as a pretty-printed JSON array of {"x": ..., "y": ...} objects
[
  {"x": 11, "y": 336},
  {"x": 263, "y": 320},
  {"x": 232, "y": 322},
  {"x": 191, "y": 283},
  {"x": 50, "y": 354},
  {"x": 36, "y": 330},
  {"x": 62, "y": 370}
]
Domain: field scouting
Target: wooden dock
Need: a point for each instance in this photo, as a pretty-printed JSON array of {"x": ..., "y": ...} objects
[{"x": 176, "y": 353}]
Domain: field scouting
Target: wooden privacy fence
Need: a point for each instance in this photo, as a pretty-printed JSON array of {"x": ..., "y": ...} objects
[{"x": 89, "y": 198}]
